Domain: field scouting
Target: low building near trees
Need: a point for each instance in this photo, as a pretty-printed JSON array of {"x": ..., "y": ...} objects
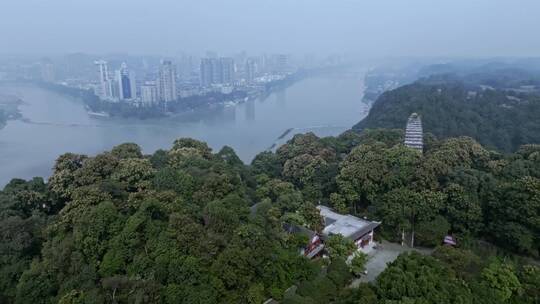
[
  {"x": 314, "y": 246},
  {"x": 449, "y": 240},
  {"x": 360, "y": 231}
]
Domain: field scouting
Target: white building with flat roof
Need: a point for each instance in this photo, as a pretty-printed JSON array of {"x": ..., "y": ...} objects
[{"x": 358, "y": 230}]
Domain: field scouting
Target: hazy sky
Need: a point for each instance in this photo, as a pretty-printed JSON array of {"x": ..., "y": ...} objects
[{"x": 368, "y": 27}]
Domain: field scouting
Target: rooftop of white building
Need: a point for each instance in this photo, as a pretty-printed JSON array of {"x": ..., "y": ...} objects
[{"x": 346, "y": 225}]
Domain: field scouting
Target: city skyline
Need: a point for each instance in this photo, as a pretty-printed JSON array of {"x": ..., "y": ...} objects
[{"x": 158, "y": 84}]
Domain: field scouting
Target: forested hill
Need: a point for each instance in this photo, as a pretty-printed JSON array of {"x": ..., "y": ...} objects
[
  {"x": 502, "y": 114},
  {"x": 177, "y": 226}
]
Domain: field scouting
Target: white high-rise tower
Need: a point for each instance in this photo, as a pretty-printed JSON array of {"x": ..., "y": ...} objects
[
  {"x": 167, "y": 81},
  {"x": 105, "y": 84}
]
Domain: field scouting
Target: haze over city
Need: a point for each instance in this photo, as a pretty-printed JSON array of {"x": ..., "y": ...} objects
[
  {"x": 368, "y": 28},
  {"x": 269, "y": 151}
]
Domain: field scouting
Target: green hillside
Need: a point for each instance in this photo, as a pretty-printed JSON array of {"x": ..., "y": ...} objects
[
  {"x": 499, "y": 118},
  {"x": 176, "y": 226}
]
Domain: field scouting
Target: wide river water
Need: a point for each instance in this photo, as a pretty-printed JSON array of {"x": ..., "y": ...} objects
[{"x": 325, "y": 105}]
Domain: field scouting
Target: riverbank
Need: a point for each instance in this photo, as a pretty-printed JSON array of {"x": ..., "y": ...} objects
[
  {"x": 9, "y": 109},
  {"x": 60, "y": 123},
  {"x": 209, "y": 100}
]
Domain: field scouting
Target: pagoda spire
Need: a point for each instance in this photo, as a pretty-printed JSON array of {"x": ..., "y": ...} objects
[{"x": 414, "y": 137}]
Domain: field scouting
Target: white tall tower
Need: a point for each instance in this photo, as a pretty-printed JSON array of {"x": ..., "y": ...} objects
[
  {"x": 414, "y": 137},
  {"x": 167, "y": 81},
  {"x": 105, "y": 83}
]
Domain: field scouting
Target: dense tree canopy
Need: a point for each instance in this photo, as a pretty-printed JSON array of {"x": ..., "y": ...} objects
[
  {"x": 187, "y": 225},
  {"x": 450, "y": 275},
  {"x": 489, "y": 107}
]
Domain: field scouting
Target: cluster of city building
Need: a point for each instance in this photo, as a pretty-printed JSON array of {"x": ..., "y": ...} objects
[
  {"x": 122, "y": 85},
  {"x": 147, "y": 81},
  {"x": 220, "y": 74}
]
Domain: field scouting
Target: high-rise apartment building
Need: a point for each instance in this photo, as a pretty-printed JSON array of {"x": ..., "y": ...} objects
[
  {"x": 250, "y": 70},
  {"x": 207, "y": 71},
  {"x": 282, "y": 63},
  {"x": 127, "y": 86},
  {"x": 227, "y": 70},
  {"x": 149, "y": 93},
  {"x": 47, "y": 71},
  {"x": 167, "y": 81},
  {"x": 185, "y": 67},
  {"x": 217, "y": 71},
  {"x": 105, "y": 87}
]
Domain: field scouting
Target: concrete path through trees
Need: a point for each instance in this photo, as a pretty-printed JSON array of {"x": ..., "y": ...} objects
[{"x": 384, "y": 253}]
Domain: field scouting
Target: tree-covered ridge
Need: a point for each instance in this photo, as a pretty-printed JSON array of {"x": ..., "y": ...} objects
[
  {"x": 501, "y": 117},
  {"x": 497, "y": 74},
  {"x": 187, "y": 225},
  {"x": 120, "y": 227}
]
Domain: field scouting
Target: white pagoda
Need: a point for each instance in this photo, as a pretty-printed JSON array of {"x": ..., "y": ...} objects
[{"x": 414, "y": 133}]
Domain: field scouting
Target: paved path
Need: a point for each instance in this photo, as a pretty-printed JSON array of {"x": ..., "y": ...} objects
[{"x": 385, "y": 253}]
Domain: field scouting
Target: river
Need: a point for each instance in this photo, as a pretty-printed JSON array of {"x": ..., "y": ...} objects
[{"x": 55, "y": 124}]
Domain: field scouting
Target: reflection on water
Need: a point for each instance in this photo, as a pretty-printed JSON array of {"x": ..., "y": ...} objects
[
  {"x": 281, "y": 98},
  {"x": 250, "y": 110},
  {"x": 57, "y": 124}
]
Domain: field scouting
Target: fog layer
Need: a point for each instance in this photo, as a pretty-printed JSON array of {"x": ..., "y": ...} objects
[{"x": 397, "y": 28}]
